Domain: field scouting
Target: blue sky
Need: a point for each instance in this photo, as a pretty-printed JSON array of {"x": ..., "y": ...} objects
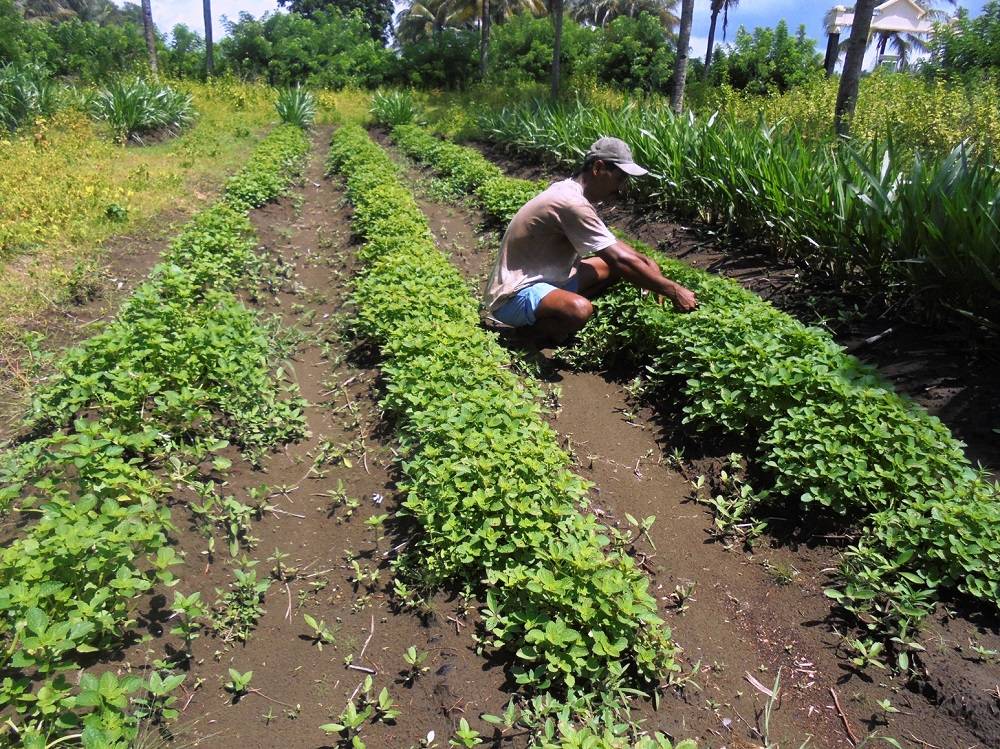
[{"x": 751, "y": 13}]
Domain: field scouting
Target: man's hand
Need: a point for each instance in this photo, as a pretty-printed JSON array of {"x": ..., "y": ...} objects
[{"x": 684, "y": 299}]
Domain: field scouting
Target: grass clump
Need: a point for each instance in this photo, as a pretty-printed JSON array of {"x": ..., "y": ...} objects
[
  {"x": 392, "y": 108},
  {"x": 136, "y": 107},
  {"x": 26, "y": 92},
  {"x": 296, "y": 106}
]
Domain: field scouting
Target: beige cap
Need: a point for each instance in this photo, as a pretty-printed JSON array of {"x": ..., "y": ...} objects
[{"x": 617, "y": 152}]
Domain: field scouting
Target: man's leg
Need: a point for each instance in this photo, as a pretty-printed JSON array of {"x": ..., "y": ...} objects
[{"x": 560, "y": 314}]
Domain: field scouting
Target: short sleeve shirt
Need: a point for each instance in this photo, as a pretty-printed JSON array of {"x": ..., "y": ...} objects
[{"x": 545, "y": 241}]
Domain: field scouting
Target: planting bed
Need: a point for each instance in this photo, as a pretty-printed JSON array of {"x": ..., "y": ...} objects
[
  {"x": 321, "y": 484},
  {"x": 960, "y": 686}
]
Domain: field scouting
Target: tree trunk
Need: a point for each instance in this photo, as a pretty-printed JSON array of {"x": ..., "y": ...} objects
[
  {"x": 832, "y": 53},
  {"x": 847, "y": 94},
  {"x": 209, "y": 60},
  {"x": 681, "y": 64},
  {"x": 557, "y": 19},
  {"x": 711, "y": 43},
  {"x": 150, "y": 29},
  {"x": 484, "y": 43}
]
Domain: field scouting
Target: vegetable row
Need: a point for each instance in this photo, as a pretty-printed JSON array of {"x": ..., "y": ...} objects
[
  {"x": 182, "y": 371},
  {"x": 826, "y": 432},
  {"x": 499, "y": 512}
]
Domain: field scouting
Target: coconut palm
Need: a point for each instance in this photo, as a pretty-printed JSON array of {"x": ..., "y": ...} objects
[
  {"x": 681, "y": 62},
  {"x": 718, "y": 6},
  {"x": 150, "y": 30},
  {"x": 206, "y": 6},
  {"x": 602, "y": 12},
  {"x": 424, "y": 18}
]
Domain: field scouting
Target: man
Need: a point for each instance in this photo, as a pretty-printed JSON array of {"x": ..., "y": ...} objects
[{"x": 557, "y": 254}]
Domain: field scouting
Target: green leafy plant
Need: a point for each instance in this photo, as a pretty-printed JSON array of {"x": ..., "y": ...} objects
[
  {"x": 135, "y": 107},
  {"x": 296, "y": 106},
  {"x": 391, "y": 108},
  {"x": 322, "y": 634},
  {"x": 238, "y": 684}
]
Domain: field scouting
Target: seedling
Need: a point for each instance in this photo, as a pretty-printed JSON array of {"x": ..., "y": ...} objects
[
  {"x": 188, "y": 609},
  {"x": 415, "y": 660},
  {"x": 349, "y": 722},
  {"x": 385, "y": 710},
  {"x": 887, "y": 707},
  {"x": 321, "y": 632},
  {"x": 465, "y": 736},
  {"x": 683, "y": 595},
  {"x": 868, "y": 653},
  {"x": 238, "y": 684},
  {"x": 157, "y": 704}
]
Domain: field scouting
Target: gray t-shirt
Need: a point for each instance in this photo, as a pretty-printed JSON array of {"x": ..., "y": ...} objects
[{"x": 545, "y": 241}]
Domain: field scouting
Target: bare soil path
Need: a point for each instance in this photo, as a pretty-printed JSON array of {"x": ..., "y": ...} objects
[{"x": 740, "y": 617}]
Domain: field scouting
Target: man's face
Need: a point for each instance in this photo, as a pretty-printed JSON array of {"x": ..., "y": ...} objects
[{"x": 607, "y": 179}]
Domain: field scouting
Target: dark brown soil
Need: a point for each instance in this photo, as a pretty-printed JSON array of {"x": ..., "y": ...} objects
[
  {"x": 749, "y": 614},
  {"x": 951, "y": 369}
]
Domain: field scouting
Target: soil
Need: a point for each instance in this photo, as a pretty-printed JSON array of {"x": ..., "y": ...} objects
[
  {"x": 952, "y": 368},
  {"x": 741, "y": 618},
  {"x": 747, "y": 615}
]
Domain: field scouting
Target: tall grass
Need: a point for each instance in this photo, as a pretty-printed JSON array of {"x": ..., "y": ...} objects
[
  {"x": 26, "y": 92},
  {"x": 909, "y": 229},
  {"x": 135, "y": 107}
]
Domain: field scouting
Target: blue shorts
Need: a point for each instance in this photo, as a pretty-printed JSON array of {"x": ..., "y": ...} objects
[{"x": 519, "y": 310}]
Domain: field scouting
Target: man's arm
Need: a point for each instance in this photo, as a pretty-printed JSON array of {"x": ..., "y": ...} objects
[{"x": 636, "y": 268}]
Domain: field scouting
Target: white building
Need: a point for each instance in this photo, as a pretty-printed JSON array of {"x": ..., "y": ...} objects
[{"x": 893, "y": 16}]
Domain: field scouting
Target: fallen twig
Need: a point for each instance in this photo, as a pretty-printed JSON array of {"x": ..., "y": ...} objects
[
  {"x": 370, "y": 635},
  {"x": 288, "y": 611},
  {"x": 254, "y": 690},
  {"x": 363, "y": 669},
  {"x": 843, "y": 718}
]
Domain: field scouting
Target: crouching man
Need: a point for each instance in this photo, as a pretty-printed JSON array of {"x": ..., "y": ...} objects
[{"x": 557, "y": 255}]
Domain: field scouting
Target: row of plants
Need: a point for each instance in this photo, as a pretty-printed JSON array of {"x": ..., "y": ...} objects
[
  {"x": 182, "y": 372},
  {"x": 824, "y": 431},
  {"x": 905, "y": 229},
  {"x": 498, "y": 510}
]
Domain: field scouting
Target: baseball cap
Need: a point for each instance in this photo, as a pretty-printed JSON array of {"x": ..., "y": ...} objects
[{"x": 617, "y": 152}]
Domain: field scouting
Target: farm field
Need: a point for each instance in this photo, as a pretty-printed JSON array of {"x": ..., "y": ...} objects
[
  {"x": 295, "y": 511},
  {"x": 272, "y": 475}
]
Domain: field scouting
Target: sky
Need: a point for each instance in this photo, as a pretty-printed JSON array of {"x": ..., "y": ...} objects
[{"x": 750, "y": 13}]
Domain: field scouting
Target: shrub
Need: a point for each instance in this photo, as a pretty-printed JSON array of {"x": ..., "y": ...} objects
[
  {"x": 391, "y": 108},
  {"x": 296, "y": 106},
  {"x": 134, "y": 107}
]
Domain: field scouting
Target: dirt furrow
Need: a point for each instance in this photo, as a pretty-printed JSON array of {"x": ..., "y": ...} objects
[{"x": 741, "y": 618}]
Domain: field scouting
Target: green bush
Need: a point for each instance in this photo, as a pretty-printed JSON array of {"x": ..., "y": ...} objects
[
  {"x": 135, "y": 107},
  {"x": 969, "y": 45},
  {"x": 767, "y": 61},
  {"x": 635, "y": 53},
  {"x": 296, "y": 106},
  {"x": 272, "y": 166},
  {"x": 448, "y": 59}
]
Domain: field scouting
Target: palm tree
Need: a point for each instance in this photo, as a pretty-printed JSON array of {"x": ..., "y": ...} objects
[
  {"x": 209, "y": 62},
  {"x": 150, "y": 29},
  {"x": 681, "y": 63},
  {"x": 857, "y": 43},
  {"x": 424, "y": 18},
  {"x": 556, "y": 9},
  {"x": 718, "y": 6},
  {"x": 603, "y": 12}
]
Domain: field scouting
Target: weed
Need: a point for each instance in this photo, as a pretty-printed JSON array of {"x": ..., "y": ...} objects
[{"x": 238, "y": 684}]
